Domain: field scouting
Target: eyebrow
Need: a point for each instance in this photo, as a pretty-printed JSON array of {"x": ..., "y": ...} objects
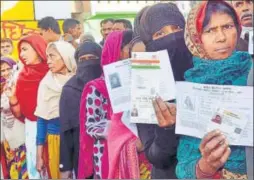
[{"x": 215, "y": 27}]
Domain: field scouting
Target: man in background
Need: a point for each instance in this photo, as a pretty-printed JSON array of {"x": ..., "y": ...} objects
[
  {"x": 6, "y": 47},
  {"x": 49, "y": 29},
  {"x": 122, "y": 24},
  {"x": 72, "y": 31},
  {"x": 244, "y": 9},
  {"x": 106, "y": 28}
]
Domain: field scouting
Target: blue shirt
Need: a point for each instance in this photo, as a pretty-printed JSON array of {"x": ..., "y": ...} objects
[{"x": 45, "y": 127}]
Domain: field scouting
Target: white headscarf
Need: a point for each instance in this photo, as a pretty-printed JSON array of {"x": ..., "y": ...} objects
[{"x": 51, "y": 86}]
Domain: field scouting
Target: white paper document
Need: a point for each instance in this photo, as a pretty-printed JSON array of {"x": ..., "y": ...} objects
[
  {"x": 198, "y": 105},
  {"x": 151, "y": 76},
  {"x": 117, "y": 78},
  {"x": 251, "y": 42}
]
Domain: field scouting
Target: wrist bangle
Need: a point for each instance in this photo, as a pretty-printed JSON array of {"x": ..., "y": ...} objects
[
  {"x": 203, "y": 174},
  {"x": 12, "y": 105}
]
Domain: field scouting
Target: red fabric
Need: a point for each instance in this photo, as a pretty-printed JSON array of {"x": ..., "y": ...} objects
[
  {"x": 201, "y": 16},
  {"x": 30, "y": 76},
  {"x": 202, "y": 12},
  {"x": 120, "y": 138},
  {"x": 111, "y": 53},
  {"x": 4, "y": 164},
  {"x": 217, "y": 175}
]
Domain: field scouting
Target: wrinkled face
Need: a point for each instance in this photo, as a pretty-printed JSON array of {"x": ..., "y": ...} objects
[
  {"x": 244, "y": 10},
  {"x": 6, "y": 48},
  {"x": 166, "y": 30},
  {"x": 28, "y": 54},
  {"x": 46, "y": 34},
  {"x": 106, "y": 28},
  {"x": 5, "y": 70},
  {"x": 55, "y": 61},
  {"x": 119, "y": 27},
  {"x": 76, "y": 31},
  {"x": 219, "y": 37}
]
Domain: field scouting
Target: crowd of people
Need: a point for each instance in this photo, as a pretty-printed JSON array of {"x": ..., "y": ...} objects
[{"x": 56, "y": 116}]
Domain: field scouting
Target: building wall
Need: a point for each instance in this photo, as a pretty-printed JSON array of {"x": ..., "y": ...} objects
[
  {"x": 95, "y": 7},
  {"x": 21, "y": 17}
]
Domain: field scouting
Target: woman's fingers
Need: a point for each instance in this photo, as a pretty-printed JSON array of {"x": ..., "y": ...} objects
[
  {"x": 158, "y": 113},
  {"x": 213, "y": 144},
  {"x": 221, "y": 161},
  {"x": 171, "y": 108},
  {"x": 218, "y": 152},
  {"x": 208, "y": 137},
  {"x": 165, "y": 118}
]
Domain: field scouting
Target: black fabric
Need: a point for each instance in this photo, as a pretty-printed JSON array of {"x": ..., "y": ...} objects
[
  {"x": 242, "y": 45},
  {"x": 180, "y": 56},
  {"x": 102, "y": 42},
  {"x": 69, "y": 150},
  {"x": 160, "y": 146},
  {"x": 158, "y": 16},
  {"x": 70, "y": 98},
  {"x": 87, "y": 47},
  {"x": 137, "y": 21},
  {"x": 127, "y": 37}
]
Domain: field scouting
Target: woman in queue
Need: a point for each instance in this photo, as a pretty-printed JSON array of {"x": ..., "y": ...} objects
[
  {"x": 13, "y": 149},
  {"x": 62, "y": 65},
  {"x": 95, "y": 112},
  {"x": 23, "y": 94},
  {"x": 162, "y": 28},
  {"x": 88, "y": 58},
  {"x": 212, "y": 32}
]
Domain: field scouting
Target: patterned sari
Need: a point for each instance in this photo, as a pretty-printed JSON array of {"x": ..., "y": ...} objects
[{"x": 16, "y": 161}]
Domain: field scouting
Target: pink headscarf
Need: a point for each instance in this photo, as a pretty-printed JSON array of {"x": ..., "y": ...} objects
[{"x": 111, "y": 53}]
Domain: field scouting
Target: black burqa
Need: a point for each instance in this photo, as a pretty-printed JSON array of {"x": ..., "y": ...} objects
[
  {"x": 160, "y": 144},
  {"x": 87, "y": 70}
]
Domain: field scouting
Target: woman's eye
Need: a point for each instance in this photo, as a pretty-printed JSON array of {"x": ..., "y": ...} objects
[
  {"x": 209, "y": 31},
  {"x": 228, "y": 26},
  {"x": 160, "y": 33}
]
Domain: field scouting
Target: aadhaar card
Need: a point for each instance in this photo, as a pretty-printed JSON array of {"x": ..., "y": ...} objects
[{"x": 230, "y": 123}]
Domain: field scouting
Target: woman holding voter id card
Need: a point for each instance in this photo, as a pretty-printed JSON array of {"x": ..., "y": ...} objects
[
  {"x": 212, "y": 32},
  {"x": 162, "y": 27},
  {"x": 95, "y": 115}
]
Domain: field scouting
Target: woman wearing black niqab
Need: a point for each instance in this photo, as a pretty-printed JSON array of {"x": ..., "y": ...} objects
[{"x": 88, "y": 56}]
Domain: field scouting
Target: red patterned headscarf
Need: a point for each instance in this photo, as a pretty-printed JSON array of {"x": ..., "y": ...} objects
[{"x": 193, "y": 29}]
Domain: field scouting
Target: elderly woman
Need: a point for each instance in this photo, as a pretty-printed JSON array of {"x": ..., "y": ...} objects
[
  {"x": 62, "y": 64},
  {"x": 212, "y": 32},
  {"x": 162, "y": 27}
]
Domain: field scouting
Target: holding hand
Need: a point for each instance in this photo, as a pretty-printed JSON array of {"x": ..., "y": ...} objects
[
  {"x": 66, "y": 175},
  {"x": 165, "y": 112},
  {"x": 40, "y": 165},
  {"x": 10, "y": 90},
  {"x": 139, "y": 145},
  {"x": 215, "y": 152}
]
